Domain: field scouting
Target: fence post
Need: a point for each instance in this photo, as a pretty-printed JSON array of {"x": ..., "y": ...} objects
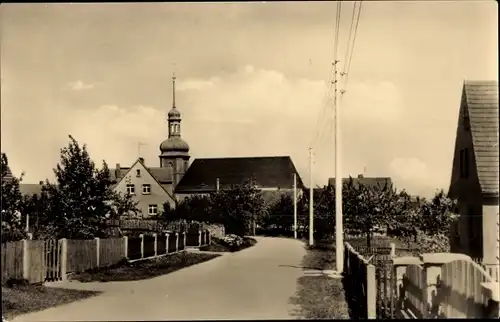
[
  {"x": 371, "y": 292},
  {"x": 142, "y": 245},
  {"x": 393, "y": 250},
  {"x": 98, "y": 244},
  {"x": 156, "y": 244},
  {"x": 209, "y": 238},
  {"x": 184, "y": 238},
  {"x": 125, "y": 245},
  {"x": 64, "y": 258},
  {"x": 26, "y": 258},
  {"x": 199, "y": 238},
  {"x": 166, "y": 244},
  {"x": 176, "y": 242}
]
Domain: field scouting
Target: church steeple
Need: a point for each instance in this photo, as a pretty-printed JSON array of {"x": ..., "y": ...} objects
[
  {"x": 174, "y": 116},
  {"x": 174, "y": 150}
]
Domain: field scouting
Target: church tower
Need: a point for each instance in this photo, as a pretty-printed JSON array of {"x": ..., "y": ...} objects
[{"x": 174, "y": 150}]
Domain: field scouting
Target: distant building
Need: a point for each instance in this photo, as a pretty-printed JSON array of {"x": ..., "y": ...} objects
[
  {"x": 367, "y": 181},
  {"x": 153, "y": 186},
  {"x": 273, "y": 175},
  {"x": 475, "y": 173}
]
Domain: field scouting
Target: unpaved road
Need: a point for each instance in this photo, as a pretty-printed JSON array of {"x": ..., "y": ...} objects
[{"x": 255, "y": 283}]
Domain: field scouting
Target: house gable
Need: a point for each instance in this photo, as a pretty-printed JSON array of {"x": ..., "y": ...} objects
[
  {"x": 139, "y": 175},
  {"x": 477, "y": 131}
]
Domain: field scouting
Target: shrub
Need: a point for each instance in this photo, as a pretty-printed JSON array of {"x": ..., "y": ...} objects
[{"x": 438, "y": 243}]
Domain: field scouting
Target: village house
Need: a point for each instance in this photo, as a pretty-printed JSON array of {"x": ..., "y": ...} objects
[{"x": 475, "y": 173}]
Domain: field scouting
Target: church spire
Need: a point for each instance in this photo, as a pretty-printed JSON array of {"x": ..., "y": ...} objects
[{"x": 173, "y": 90}]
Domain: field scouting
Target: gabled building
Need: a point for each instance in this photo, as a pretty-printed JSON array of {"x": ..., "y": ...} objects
[
  {"x": 271, "y": 174},
  {"x": 475, "y": 173},
  {"x": 145, "y": 188},
  {"x": 161, "y": 180}
]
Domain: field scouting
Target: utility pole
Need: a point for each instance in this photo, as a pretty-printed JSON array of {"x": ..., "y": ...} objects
[
  {"x": 339, "y": 231},
  {"x": 311, "y": 210},
  {"x": 295, "y": 205}
]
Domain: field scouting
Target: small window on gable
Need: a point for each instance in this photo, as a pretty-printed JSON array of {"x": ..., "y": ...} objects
[
  {"x": 464, "y": 163},
  {"x": 138, "y": 172},
  {"x": 466, "y": 122}
]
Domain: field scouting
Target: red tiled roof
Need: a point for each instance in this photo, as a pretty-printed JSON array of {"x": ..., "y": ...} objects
[
  {"x": 268, "y": 172},
  {"x": 482, "y": 104}
]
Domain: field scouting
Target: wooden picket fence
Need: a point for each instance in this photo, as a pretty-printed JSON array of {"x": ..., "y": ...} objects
[
  {"x": 50, "y": 260},
  {"x": 443, "y": 285},
  {"x": 12, "y": 260}
]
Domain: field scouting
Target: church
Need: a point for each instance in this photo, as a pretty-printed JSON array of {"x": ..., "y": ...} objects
[
  {"x": 154, "y": 186},
  {"x": 174, "y": 180}
]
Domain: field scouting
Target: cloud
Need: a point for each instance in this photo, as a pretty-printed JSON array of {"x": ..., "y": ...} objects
[
  {"x": 80, "y": 86},
  {"x": 248, "y": 112},
  {"x": 413, "y": 174}
]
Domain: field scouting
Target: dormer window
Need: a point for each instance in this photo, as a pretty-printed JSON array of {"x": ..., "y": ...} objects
[{"x": 138, "y": 172}]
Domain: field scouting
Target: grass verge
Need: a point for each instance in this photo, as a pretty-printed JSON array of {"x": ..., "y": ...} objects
[
  {"x": 320, "y": 297},
  {"x": 144, "y": 269},
  {"x": 31, "y": 298},
  {"x": 219, "y": 246}
]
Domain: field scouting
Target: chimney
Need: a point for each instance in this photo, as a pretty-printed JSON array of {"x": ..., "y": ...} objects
[
  {"x": 360, "y": 176},
  {"x": 141, "y": 159},
  {"x": 217, "y": 184},
  {"x": 117, "y": 171}
]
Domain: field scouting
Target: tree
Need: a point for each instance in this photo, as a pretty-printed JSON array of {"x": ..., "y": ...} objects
[
  {"x": 370, "y": 207},
  {"x": 122, "y": 205},
  {"x": 80, "y": 201},
  {"x": 11, "y": 205},
  {"x": 240, "y": 209},
  {"x": 438, "y": 215},
  {"x": 280, "y": 213}
]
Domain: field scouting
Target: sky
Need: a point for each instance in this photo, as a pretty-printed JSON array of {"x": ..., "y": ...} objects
[{"x": 252, "y": 80}]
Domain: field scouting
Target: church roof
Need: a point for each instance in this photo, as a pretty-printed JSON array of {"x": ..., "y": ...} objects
[{"x": 268, "y": 172}]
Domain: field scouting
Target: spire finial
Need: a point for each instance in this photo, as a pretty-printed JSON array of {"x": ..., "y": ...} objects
[{"x": 173, "y": 90}]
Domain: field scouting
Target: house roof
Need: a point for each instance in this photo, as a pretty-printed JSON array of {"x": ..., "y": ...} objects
[
  {"x": 141, "y": 161},
  {"x": 481, "y": 98},
  {"x": 162, "y": 175},
  {"x": 366, "y": 181},
  {"x": 30, "y": 189},
  {"x": 268, "y": 172}
]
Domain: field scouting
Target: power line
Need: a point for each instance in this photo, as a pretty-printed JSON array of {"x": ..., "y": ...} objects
[
  {"x": 349, "y": 38},
  {"x": 352, "y": 48},
  {"x": 330, "y": 81}
]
